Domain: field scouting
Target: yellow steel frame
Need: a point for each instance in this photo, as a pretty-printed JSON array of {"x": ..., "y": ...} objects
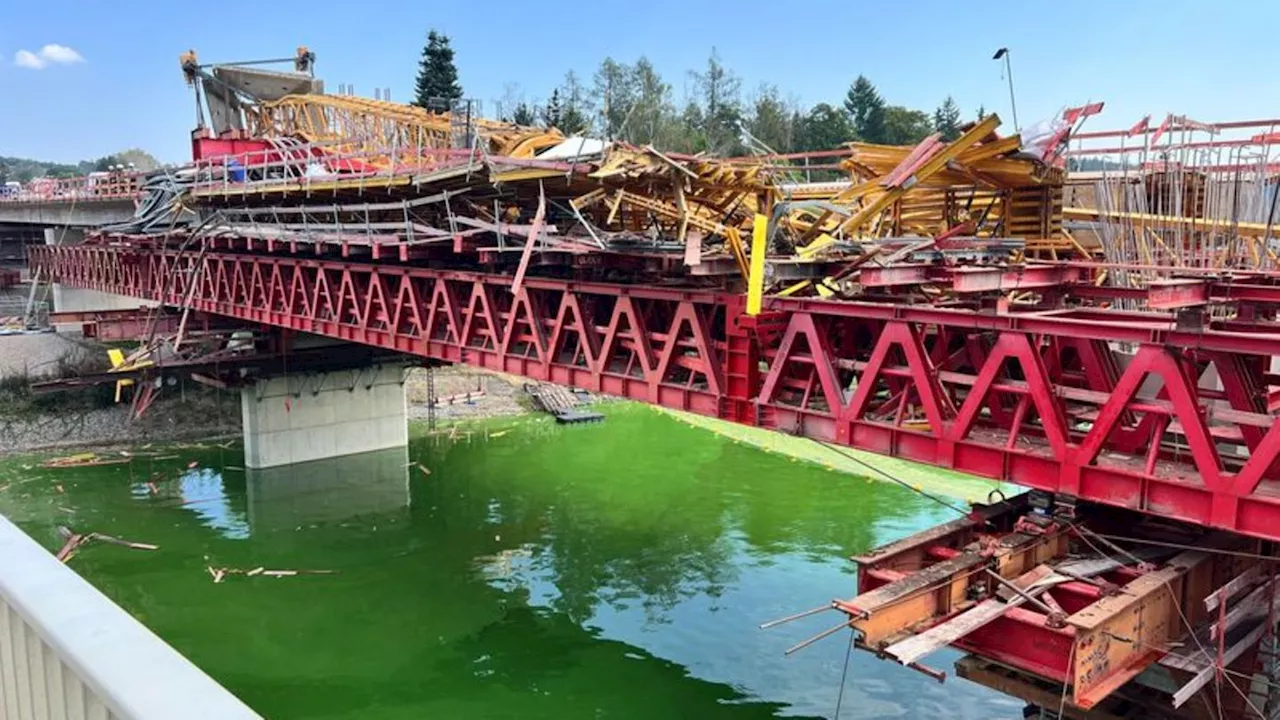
[{"x": 378, "y": 127}]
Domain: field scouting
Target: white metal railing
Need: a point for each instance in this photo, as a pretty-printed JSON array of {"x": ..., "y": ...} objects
[{"x": 67, "y": 651}]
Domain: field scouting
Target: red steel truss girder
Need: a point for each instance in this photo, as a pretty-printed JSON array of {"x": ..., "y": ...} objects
[{"x": 1045, "y": 400}]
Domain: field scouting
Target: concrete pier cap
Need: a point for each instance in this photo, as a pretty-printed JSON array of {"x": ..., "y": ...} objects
[{"x": 302, "y": 417}]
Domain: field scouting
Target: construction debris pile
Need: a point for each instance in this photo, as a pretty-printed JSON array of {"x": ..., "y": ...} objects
[{"x": 580, "y": 205}]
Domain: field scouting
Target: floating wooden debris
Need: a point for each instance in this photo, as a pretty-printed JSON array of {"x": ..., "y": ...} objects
[
  {"x": 74, "y": 540},
  {"x": 123, "y": 543},
  {"x": 561, "y": 402},
  {"x": 219, "y": 574},
  {"x": 82, "y": 460}
]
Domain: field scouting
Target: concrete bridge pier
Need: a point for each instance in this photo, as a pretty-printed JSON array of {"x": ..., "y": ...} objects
[{"x": 313, "y": 416}]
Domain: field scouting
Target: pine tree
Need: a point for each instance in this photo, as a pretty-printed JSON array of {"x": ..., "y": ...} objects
[
  {"x": 551, "y": 114},
  {"x": 437, "y": 80},
  {"x": 573, "y": 117},
  {"x": 866, "y": 109},
  {"x": 982, "y": 112},
  {"x": 523, "y": 114},
  {"x": 946, "y": 119}
]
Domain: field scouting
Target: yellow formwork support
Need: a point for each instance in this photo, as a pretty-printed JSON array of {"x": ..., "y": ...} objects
[{"x": 755, "y": 278}]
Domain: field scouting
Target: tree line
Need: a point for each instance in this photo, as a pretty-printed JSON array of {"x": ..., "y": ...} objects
[
  {"x": 632, "y": 102},
  {"x": 23, "y": 170}
]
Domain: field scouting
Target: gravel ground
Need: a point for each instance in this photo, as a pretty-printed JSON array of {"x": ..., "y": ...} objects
[
  {"x": 203, "y": 414},
  {"x": 502, "y": 394}
]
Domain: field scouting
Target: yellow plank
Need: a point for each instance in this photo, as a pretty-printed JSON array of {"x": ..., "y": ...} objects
[
  {"x": 929, "y": 168},
  {"x": 755, "y": 279},
  {"x": 1243, "y": 229}
]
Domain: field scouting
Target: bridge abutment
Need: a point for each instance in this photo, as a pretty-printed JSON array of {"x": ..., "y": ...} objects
[{"x": 298, "y": 418}]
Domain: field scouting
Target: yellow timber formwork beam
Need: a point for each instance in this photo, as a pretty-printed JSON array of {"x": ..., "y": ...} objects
[
  {"x": 1169, "y": 222},
  {"x": 755, "y": 279},
  {"x": 120, "y": 363},
  {"x": 671, "y": 212},
  {"x": 364, "y": 125},
  {"x": 938, "y": 162}
]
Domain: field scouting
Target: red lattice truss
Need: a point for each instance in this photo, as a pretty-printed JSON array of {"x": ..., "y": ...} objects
[{"x": 1106, "y": 406}]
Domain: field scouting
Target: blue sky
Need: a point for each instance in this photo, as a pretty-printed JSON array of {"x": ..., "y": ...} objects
[{"x": 1209, "y": 61}]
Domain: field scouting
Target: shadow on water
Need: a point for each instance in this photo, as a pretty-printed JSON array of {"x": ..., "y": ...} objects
[{"x": 616, "y": 570}]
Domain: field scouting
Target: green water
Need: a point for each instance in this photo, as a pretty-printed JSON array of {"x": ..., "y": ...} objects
[{"x": 616, "y": 570}]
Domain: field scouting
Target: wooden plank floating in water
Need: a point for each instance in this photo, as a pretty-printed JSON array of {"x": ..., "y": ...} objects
[
  {"x": 570, "y": 417},
  {"x": 561, "y": 402},
  {"x": 82, "y": 460}
]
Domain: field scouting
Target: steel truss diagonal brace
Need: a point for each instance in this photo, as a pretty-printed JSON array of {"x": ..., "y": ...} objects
[{"x": 1108, "y": 411}]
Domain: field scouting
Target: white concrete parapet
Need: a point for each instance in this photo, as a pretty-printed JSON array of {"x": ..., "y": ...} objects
[
  {"x": 67, "y": 651},
  {"x": 298, "y": 418}
]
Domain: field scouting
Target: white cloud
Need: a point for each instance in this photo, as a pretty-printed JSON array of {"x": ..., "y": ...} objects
[
  {"x": 49, "y": 54},
  {"x": 28, "y": 59},
  {"x": 60, "y": 54}
]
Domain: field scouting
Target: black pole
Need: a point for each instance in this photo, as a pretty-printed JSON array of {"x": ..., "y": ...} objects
[{"x": 1008, "y": 69}]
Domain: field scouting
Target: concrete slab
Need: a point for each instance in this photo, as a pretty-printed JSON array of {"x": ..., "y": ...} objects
[{"x": 86, "y": 213}]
